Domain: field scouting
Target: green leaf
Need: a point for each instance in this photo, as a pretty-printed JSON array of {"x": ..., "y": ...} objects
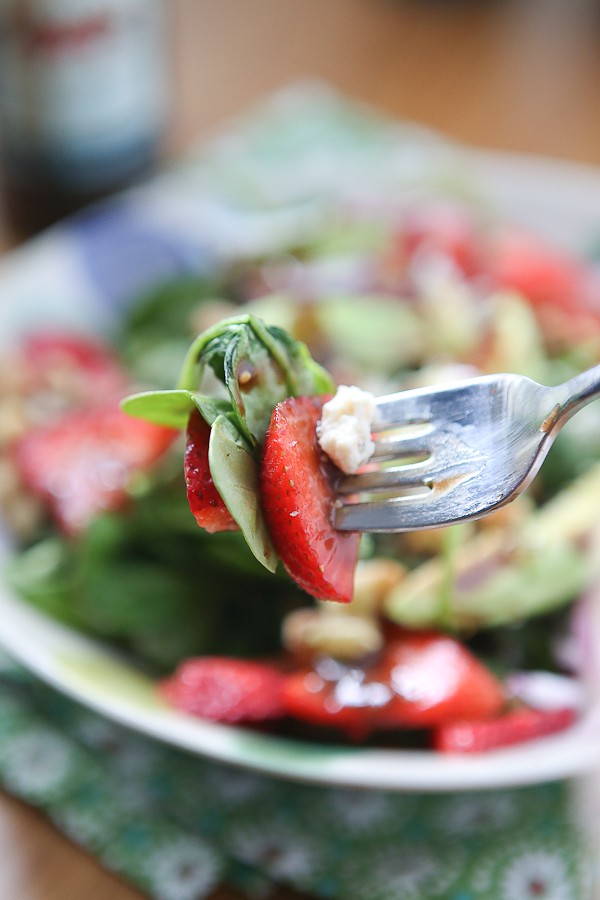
[
  {"x": 210, "y": 408},
  {"x": 256, "y": 384},
  {"x": 166, "y": 309},
  {"x": 170, "y": 408},
  {"x": 303, "y": 374},
  {"x": 235, "y": 474},
  {"x": 260, "y": 365},
  {"x": 311, "y": 378},
  {"x": 44, "y": 575},
  {"x": 237, "y": 351},
  {"x": 203, "y": 350}
]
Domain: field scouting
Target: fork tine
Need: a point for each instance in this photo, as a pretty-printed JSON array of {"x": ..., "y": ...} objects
[
  {"x": 416, "y": 406},
  {"x": 398, "y": 447},
  {"x": 428, "y": 508},
  {"x": 452, "y": 453},
  {"x": 404, "y": 407},
  {"x": 401, "y": 514},
  {"x": 381, "y": 516},
  {"x": 399, "y": 477}
]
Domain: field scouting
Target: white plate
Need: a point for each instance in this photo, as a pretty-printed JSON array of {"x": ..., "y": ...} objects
[{"x": 82, "y": 275}]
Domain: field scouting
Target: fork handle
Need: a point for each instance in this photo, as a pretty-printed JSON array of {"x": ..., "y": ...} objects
[{"x": 577, "y": 392}]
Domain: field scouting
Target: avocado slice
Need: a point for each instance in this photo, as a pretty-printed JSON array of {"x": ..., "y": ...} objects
[{"x": 508, "y": 575}]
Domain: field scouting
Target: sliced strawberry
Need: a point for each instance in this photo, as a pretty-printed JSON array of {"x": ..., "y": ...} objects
[
  {"x": 84, "y": 365},
  {"x": 298, "y": 497},
  {"x": 563, "y": 291},
  {"x": 310, "y": 696},
  {"x": 225, "y": 689},
  {"x": 205, "y": 501},
  {"x": 514, "y": 727},
  {"x": 543, "y": 274},
  {"x": 420, "y": 680},
  {"x": 436, "y": 679},
  {"x": 82, "y": 464},
  {"x": 442, "y": 231}
]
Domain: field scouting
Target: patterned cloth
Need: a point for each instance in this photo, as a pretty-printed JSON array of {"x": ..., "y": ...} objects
[{"x": 176, "y": 825}]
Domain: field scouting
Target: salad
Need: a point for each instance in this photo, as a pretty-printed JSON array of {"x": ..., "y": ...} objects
[{"x": 189, "y": 525}]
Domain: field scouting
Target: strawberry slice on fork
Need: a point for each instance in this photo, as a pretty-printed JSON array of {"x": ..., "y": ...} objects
[
  {"x": 204, "y": 500},
  {"x": 297, "y": 485}
]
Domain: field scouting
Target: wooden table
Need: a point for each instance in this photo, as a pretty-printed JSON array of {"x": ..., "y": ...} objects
[{"x": 521, "y": 75}]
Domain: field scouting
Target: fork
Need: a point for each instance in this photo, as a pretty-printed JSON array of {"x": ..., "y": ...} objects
[{"x": 457, "y": 452}]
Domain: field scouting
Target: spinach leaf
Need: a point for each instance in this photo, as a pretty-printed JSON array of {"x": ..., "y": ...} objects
[
  {"x": 259, "y": 366},
  {"x": 170, "y": 408},
  {"x": 235, "y": 474}
]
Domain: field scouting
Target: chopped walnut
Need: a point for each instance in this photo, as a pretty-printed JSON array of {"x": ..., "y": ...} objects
[{"x": 309, "y": 633}]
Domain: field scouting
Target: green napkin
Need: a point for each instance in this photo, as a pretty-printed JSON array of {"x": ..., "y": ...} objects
[{"x": 177, "y": 825}]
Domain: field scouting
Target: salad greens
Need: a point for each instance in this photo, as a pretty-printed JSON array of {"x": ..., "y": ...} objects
[
  {"x": 150, "y": 581},
  {"x": 424, "y": 309},
  {"x": 244, "y": 354},
  {"x": 258, "y": 366}
]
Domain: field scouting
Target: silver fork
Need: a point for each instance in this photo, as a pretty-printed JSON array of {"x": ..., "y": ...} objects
[{"x": 457, "y": 452}]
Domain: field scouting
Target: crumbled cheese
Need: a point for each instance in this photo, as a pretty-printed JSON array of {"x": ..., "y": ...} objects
[{"x": 344, "y": 431}]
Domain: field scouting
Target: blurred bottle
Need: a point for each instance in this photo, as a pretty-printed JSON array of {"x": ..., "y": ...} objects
[{"x": 82, "y": 102}]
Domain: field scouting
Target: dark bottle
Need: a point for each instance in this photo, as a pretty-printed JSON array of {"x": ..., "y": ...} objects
[{"x": 82, "y": 102}]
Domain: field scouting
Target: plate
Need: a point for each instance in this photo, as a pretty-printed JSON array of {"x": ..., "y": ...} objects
[{"x": 231, "y": 198}]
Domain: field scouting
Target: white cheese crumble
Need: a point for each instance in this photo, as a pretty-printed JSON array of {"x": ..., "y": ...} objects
[{"x": 344, "y": 431}]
